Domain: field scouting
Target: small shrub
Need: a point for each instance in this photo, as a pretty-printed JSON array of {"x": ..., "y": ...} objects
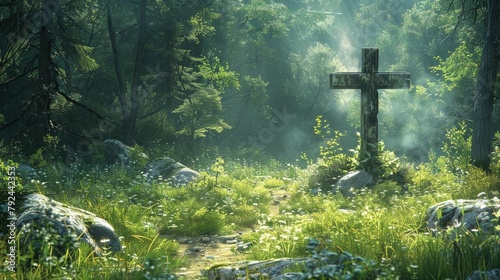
[
  {"x": 244, "y": 216},
  {"x": 475, "y": 182},
  {"x": 388, "y": 190},
  {"x": 301, "y": 202},
  {"x": 205, "y": 222},
  {"x": 138, "y": 158},
  {"x": 273, "y": 183},
  {"x": 495, "y": 156},
  {"x": 332, "y": 162},
  {"x": 421, "y": 179},
  {"x": 457, "y": 147}
]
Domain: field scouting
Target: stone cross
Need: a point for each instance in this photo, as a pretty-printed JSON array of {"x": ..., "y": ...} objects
[{"x": 369, "y": 80}]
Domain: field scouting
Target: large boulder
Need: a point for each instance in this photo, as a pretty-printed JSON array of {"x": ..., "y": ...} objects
[
  {"x": 471, "y": 214},
  {"x": 354, "y": 181},
  {"x": 39, "y": 213},
  {"x": 169, "y": 170}
]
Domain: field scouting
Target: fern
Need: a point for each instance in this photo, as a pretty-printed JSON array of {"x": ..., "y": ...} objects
[{"x": 83, "y": 59}]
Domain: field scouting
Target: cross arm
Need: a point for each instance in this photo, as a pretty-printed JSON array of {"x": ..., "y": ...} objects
[
  {"x": 392, "y": 80},
  {"x": 347, "y": 80},
  {"x": 381, "y": 80}
]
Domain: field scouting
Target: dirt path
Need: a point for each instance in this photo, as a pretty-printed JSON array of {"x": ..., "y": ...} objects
[
  {"x": 206, "y": 251},
  {"x": 202, "y": 256}
]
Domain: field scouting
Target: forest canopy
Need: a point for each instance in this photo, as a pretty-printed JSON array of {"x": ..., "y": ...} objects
[{"x": 196, "y": 76}]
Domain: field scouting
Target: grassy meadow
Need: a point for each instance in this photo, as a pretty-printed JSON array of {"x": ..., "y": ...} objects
[{"x": 383, "y": 225}]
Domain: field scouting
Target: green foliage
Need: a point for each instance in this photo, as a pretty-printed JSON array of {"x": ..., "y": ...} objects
[
  {"x": 459, "y": 69},
  {"x": 269, "y": 18},
  {"x": 138, "y": 158},
  {"x": 121, "y": 200},
  {"x": 218, "y": 166},
  {"x": 342, "y": 266},
  {"x": 273, "y": 183},
  {"x": 308, "y": 86},
  {"x": 387, "y": 166},
  {"x": 422, "y": 179},
  {"x": 218, "y": 75},
  {"x": 204, "y": 222},
  {"x": 254, "y": 89},
  {"x": 302, "y": 202},
  {"x": 477, "y": 183},
  {"x": 212, "y": 206},
  {"x": 48, "y": 153},
  {"x": 209, "y": 65},
  {"x": 12, "y": 185},
  {"x": 457, "y": 148},
  {"x": 275, "y": 239},
  {"x": 495, "y": 157},
  {"x": 37, "y": 159},
  {"x": 202, "y": 85},
  {"x": 41, "y": 245},
  {"x": 391, "y": 164},
  {"x": 331, "y": 149},
  {"x": 332, "y": 162},
  {"x": 81, "y": 54},
  {"x": 201, "y": 24},
  {"x": 200, "y": 113},
  {"x": 388, "y": 191},
  {"x": 384, "y": 225}
]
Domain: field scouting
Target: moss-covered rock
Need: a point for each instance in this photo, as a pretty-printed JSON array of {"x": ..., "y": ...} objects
[
  {"x": 167, "y": 169},
  {"x": 40, "y": 214},
  {"x": 471, "y": 214}
]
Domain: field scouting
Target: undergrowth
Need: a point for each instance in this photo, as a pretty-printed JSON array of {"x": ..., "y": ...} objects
[{"x": 383, "y": 225}]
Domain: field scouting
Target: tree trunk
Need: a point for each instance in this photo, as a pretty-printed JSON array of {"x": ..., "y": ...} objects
[
  {"x": 42, "y": 97},
  {"x": 130, "y": 120},
  {"x": 482, "y": 135},
  {"x": 122, "y": 94}
]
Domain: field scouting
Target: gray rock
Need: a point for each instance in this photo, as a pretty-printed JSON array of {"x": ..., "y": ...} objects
[
  {"x": 25, "y": 171},
  {"x": 184, "y": 240},
  {"x": 205, "y": 239},
  {"x": 472, "y": 214},
  {"x": 196, "y": 249},
  {"x": 183, "y": 176},
  {"x": 266, "y": 269},
  {"x": 169, "y": 170},
  {"x": 326, "y": 265},
  {"x": 39, "y": 211},
  {"x": 354, "y": 181},
  {"x": 115, "y": 152},
  {"x": 289, "y": 276},
  {"x": 241, "y": 246},
  {"x": 485, "y": 275}
]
